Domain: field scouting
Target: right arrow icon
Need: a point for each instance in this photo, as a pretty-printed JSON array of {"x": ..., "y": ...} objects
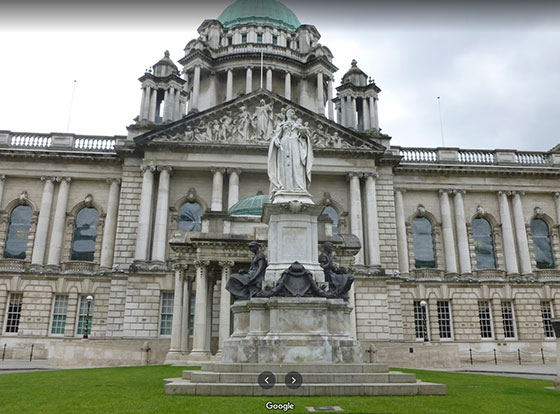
[{"x": 293, "y": 380}]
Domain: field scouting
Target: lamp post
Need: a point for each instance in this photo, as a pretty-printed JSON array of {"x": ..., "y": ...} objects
[
  {"x": 424, "y": 306},
  {"x": 556, "y": 327},
  {"x": 89, "y": 300}
]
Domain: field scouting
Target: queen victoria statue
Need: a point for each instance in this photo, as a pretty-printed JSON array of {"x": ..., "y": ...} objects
[{"x": 290, "y": 157}]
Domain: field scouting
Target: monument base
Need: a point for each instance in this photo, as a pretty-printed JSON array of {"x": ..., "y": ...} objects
[{"x": 292, "y": 330}]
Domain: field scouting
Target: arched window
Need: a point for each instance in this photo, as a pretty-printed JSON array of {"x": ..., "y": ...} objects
[
  {"x": 333, "y": 214},
  {"x": 483, "y": 244},
  {"x": 542, "y": 245},
  {"x": 190, "y": 215},
  {"x": 85, "y": 232},
  {"x": 423, "y": 240},
  {"x": 18, "y": 231}
]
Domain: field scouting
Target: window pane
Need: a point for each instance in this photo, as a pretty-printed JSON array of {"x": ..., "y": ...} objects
[
  {"x": 82, "y": 315},
  {"x": 59, "y": 314},
  {"x": 18, "y": 231},
  {"x": 190, "y": 215},
  {"x": 444, "y": 319},
  {"x": 542, "y": 245},
  {"x": 423, "y": 240},
  {"x": 166, "y": 313},
  {"x": 483, "y": 244},
  {"x": 507, "y": 316},
  {"x": 331, "y": 212},
  {"x": 420, "y": 320},
  {"x": 546, "y": 312},
  {"x": 485, "y": 319},
  {"x": 14, "y": 312},
  {"x": 85, "y": 232}
]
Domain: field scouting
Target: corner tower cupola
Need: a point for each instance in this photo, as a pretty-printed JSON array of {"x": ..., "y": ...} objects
[
  {"x": 356, "y": 100},
  {"x": 163, "y": 98}
]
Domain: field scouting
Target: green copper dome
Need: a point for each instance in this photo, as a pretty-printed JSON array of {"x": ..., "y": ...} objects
[
  {"x": 259, "y": 11},
  {"x": 250, "y": 206}
]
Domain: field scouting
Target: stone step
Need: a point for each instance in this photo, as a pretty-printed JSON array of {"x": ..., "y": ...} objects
[
  {"x": 181, "y": 386},
  {"x": 314, "y": 378},
  {"x": 306, "y": 368}
]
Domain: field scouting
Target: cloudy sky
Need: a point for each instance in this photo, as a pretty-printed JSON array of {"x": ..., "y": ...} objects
[{"x": 495, "y": 65}]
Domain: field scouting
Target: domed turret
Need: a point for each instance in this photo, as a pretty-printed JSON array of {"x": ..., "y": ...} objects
[{"x": 259, "y": 11}]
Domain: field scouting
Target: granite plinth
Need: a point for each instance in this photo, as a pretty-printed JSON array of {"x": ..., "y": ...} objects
[{"x": 292, "y": 330}]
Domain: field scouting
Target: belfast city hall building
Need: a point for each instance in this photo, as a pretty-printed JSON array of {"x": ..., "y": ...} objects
[{"x": 130, "y": 240}]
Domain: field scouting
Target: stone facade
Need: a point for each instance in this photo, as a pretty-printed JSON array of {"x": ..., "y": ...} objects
[{"x": 156, "y": 268}]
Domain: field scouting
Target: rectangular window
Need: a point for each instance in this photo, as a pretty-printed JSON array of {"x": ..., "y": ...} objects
[
  {"x": 59, "y": 314},
  {"x": 420, "y": 320},
  {"x": 166, "y": 313},
  {"x": 485, "y": 317},
  {"x": 244, "y": 38},
  {"x": 546, "y": 312},
  {"x": 444, "y": 319},
  {"x": 14, "y": 312},
  {"x": 83, "y": 313},
  {"x": 274, "y": 40},
  {"x": 259, "y": 38},
  {"x": 230, "y": 41},
  {"x": 507, "y": 317}
]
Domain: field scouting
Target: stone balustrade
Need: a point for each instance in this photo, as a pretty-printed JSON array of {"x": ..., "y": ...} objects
[
  {"x": 257, "y": 48},
  {"x": 58, "y": 142},
  {"x": 477, "y": 157}
]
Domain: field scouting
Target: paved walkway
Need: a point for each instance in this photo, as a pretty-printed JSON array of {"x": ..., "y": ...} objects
[
  {"x": 533, "y": 371},
  {"x": 16, "y": 366}
]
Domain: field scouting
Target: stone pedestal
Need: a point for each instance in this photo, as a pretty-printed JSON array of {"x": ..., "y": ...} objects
[
  {"x": 292, "y": 236},
  {"x": 292, "y": 330}
]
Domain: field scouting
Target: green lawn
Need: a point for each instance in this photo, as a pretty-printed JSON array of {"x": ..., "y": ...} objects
[{"x": 140, "y": 390}]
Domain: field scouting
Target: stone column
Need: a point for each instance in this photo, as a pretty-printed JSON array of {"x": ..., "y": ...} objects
[
  {"x": 177, "y": 106},
  {"x": 166, "y": 105},
  {"x": 177, "y": 324},
  {"x": 330, "y": 105},
  {"x": 249, "y": 81},
  {"x": 269, "y": 79},
  {"x": 447, "y": 232},
  {"x": 365, "y": 114},
  {"x": 354, "y": 110},
  {"x": 153, "y": 103},
  {"x": 343, "y": 111},
  {"x": 42, "y": 231},
  {"x": 375, "y": 121},
  {"x": 143, "y": 103},
  {"x": 2, "y": 181},
  {"x": 144, "y": 214},
  {"x": 521, "y": 233},
  {"x": 229, "y": 85},
  {"x": 356, "y": 224},
  {"x": 196, "y": 89},
  {"x": 402, "y": 242},
  {"x": 185, "y": 317},
  {"x": 461, "y": 230},
  {"x": 288, "y": 86},
  {"x": 217, "y": 188},
  {"x": 557, "y": 205},
  {"x": 374, "y": 258},
  {"x": 225, "y": 301},
  {"x": 200, "y": 312},
  {"x": 233, "y": 192},
  {"x": 108, "y": 242},
  {"x": 59, "y": 222},
  {"x": 507, "y": 234},
  {"x": 162, "y": 209},
  {"x": 320, "y": 94},
  {"x": 209, "y": 318}
]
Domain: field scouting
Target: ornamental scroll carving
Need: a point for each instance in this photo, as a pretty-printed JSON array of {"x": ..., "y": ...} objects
[{"x": 254, "y": 126}]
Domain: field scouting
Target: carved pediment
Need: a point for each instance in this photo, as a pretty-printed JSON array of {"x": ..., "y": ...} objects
[{"x": 251, "y": 120}]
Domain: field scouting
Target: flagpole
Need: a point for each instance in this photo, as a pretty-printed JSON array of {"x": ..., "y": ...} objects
[
  {"x": 440, "y": 122},
  {"x": 71, "y": 103}
]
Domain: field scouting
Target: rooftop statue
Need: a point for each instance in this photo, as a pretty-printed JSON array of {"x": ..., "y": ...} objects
[{"x": 290, "y": 156}]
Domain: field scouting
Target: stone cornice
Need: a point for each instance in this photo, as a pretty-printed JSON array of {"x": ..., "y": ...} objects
[{"x": 466, "y": 169}]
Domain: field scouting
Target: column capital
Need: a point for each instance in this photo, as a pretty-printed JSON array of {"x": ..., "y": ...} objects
[
  {"x": 353, "y": 174},
  {"x": 234, "y": 170},
  {"x": 499, "y": 193},
  {"x": 3, "y": 177},
  {"x": 516, "y": 192},
  {"x": 399, "y": 190},
  {"x": 457, "y": 191},
  {"x": 557, "y": 195},
  {"x": 61, "y": 179},
  {"x": 226, "y": 263},
  {"x": 221, "y": 170},
  {"x": 113, "y": 180},
  {"x": 167, "y": 168},
  {"x": 179, "y": 267},
  {"x": 148, "y": 167},
  {"x": 201, "y": 263},
  {"x": 371, "y": 174},
  {"x": 442, "y": 191},
  {"x": 52, "y": 179}
]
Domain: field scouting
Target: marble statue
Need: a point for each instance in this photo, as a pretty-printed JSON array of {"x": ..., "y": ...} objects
[
  {"x": 246, "y": 284},
  {"x": 290, "y": 156},
  {"x": 339, "y": 281},
  {"x": 263, "y": 119},
  {"x": 296, "y": 281}
]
